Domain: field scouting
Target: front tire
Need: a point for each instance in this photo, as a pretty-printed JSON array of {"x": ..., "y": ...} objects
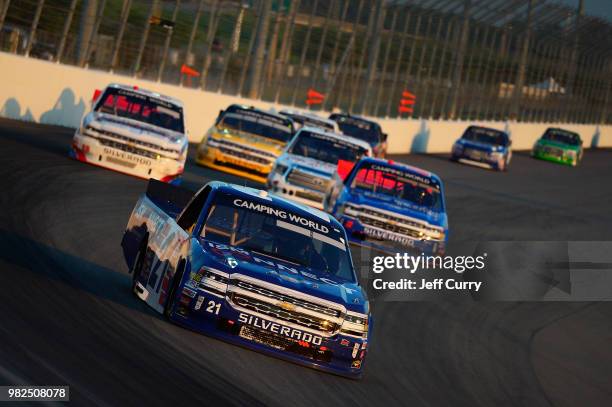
[
  {"x": 176, "y": 281},
  {"x": 137, "y": 269}
]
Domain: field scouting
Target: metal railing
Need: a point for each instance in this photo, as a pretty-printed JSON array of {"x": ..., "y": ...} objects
[{"x": 526, "y": 60}]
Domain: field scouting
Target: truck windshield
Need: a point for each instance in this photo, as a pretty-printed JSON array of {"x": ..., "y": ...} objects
[
  {"x": 397, "y": 184},
  {"x": 259, "y": 227},
  {"x": 257, "y": 125},
  {"x": 487, "y": 136},
  {"x": 561, "y": 136},
  {"x": 140, "y": 107},
  {"x": 325, "y": 148},
  {"x": 358, "y": 128}
]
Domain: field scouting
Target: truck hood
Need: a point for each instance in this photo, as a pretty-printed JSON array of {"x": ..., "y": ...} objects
[
  {"x": 285, "y": 274},
  {"x": 135, "y": 129},
  {"x": 254, "y": 141},
  {"x": 399, "y": 206},
  {"x": 476, "y": 145},
  {"x": 320, "y": 168},
  {"x": 552, "y": 143}
]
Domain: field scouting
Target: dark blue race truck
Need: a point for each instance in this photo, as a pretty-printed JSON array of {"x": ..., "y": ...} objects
[
  {"x": 483, "y": 147},
  {"x": 390, "y": 207},
  {"x": 253, "y": 269}
]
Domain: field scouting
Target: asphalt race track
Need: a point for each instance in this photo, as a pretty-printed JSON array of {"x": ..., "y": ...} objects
[{"x": 68, "y": 317}]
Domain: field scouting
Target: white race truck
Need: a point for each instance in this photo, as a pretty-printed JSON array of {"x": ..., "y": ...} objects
[{"x": 133, "y": 131}]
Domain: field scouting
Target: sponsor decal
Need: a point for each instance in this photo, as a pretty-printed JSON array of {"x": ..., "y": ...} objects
[
  {"x": 279, "y": 213},
  {"x": 122, "y": 155},
  {"x": 279, "y": 329},
  {"x": 391, "y": 237},
  {"x": 404, "y": 174},
  {"x": 189, "y": 292},
  {"x": 279, "y": 267},
  {"x": 199, "y": 303},
  {"x": 356, "y": 364},
  {"x": 345, "y": 342},
  {"x": 355, "y": 350}
]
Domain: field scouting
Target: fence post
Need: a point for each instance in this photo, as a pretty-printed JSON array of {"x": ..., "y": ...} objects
[
  {"x": 398, "y": 62},
  {"x": 34, "y": 27},
  {"x": 571, "y": 76},
  {"x": 456, "y": 81},
  {"x": 3, "y": 12},
  {"x": 192, "y": 34},
  {"x": 67, "y": 23},
  {"x": 162, "y": 65},
  {"x": 381, "y": 83},
  {"x": 373, "y": 51},
  {"x": 213, "y": 21},
  {"x": 520, "y": 76},
  {"x": 125, "y": 12},
  {"x": 84, "y": 54},
  {"x": 305, "y": 46},
  {"x": 145, "y": 36}
]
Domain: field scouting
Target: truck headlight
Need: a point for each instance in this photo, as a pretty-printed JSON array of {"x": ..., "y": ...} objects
[
  {"x": 570, "y": 153},
  {"x": 355, "y": 325},
  {"x": 280, "y": 169},
  {"x": 213, "y": 280},
  {"x": 87, "y": 130},
  {"x": 457, "y": 148}
]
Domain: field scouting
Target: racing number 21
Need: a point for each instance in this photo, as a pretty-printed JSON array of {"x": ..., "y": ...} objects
[{"x": 213, "y": 307}]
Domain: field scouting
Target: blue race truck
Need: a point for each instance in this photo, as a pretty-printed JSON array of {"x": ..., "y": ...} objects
[
  {"x": 483, "y": 147},
  {"x": 391, "y": 207},
  {"x": 253, "y": 269}
]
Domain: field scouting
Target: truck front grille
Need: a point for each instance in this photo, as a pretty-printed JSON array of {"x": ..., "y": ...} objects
[
  {"x": 131, "y": 145},
  {"x": 127, "y": 148},
  {"x": 395, "y": 224},
  {"x": 243, "y": 152},
  {"x": 275, "y": 304},
  {"x": 554, "y": 151},
  {"x": 307, "y": 180}
]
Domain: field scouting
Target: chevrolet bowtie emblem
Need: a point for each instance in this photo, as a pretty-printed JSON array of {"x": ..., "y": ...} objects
[
  {"x": 287, "y": 306},
  {"x": 232, "y": 262}
]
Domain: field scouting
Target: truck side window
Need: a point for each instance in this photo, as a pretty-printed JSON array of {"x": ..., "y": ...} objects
[{"x": 189, "y": 217}]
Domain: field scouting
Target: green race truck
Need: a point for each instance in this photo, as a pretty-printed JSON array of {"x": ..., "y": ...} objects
[{"x": 558, "y": 145}]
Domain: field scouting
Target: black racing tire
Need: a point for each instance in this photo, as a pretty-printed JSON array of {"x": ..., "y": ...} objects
[
  {"x": 176, "y": 281},
  {"x": 137, "y": 266}
]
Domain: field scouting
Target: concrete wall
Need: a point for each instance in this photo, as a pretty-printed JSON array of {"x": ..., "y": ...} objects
[{"x": 51, "y": 93}]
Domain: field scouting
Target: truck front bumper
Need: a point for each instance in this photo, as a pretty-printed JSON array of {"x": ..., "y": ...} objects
[
  {"x": 90, "y": 150},
  {"x": 214, "y": 158},
  {"x": 338, "y": 354},
  {"x": 387, "y": 241},
  {"x": 277, "y": 184}
]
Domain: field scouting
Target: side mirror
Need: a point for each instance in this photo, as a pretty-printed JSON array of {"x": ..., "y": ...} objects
[
  {"x": 344, "y": 169},
  {"x": 384, "y": 137}
]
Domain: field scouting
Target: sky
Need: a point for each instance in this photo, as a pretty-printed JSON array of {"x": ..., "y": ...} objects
[{"x": 596, "y": 8}]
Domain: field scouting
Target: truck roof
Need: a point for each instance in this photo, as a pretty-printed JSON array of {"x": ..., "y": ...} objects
[
  {"x": 148, "y": 93},
  {"x": 401, "y": 166},
  {"x": 338, "y": 136},
  {"x": 309, "y": 115}
]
